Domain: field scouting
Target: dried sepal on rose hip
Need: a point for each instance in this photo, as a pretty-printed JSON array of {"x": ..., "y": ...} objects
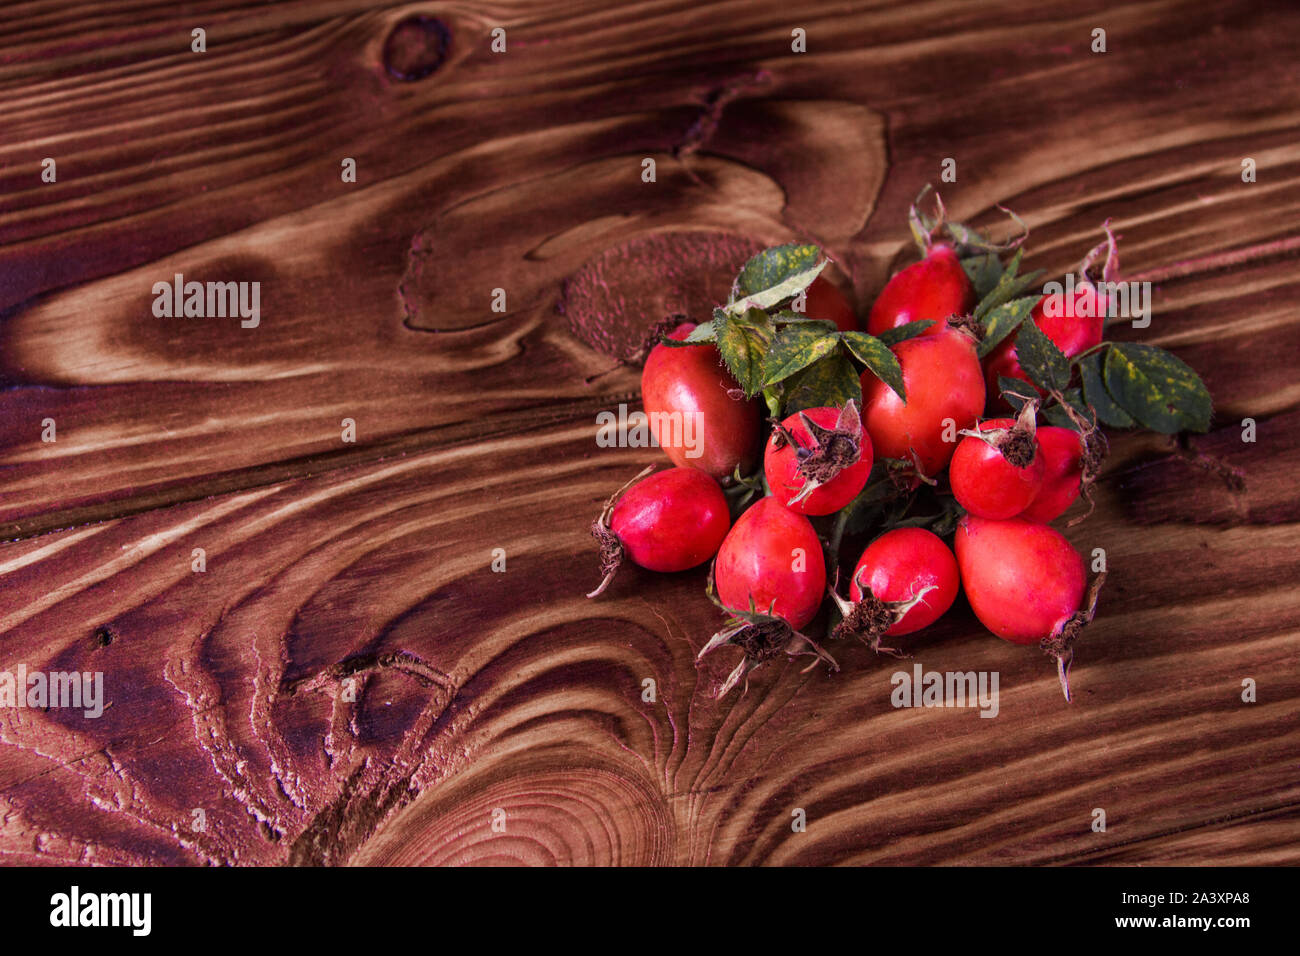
[
  {"x": 869, "y": 618},
  {"x": 817, "y": 460},
  {"x": 763, "y": 636},
  {"x": 1060, "y": 646},
  {"x": 673, "y": 520}
]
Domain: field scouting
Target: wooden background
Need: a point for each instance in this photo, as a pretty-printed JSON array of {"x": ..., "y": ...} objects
[{"x": 368, "y": 563}]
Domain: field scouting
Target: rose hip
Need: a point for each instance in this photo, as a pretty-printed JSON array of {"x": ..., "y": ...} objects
[
  {"x": 818, "y": 460},
  {"x": 689, "y": 391},
  {"x": 670, "y": 521},
  {"x": 997, "y": 469},
  {"x": 1026, "y": 583},
  {"x": 773, "y": 557},
  {"x": 1062, "y": 452},
  {"x": 824, "y": 300},
  {"x": 945, "y": 393},
  {"x": 935, "y": 288},
  {"x": 901, "y": 564}
]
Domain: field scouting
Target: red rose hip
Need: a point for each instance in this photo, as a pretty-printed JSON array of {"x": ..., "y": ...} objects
[
  {"x": 901, "y": 564},
  {"x": 670, "y": 521},
  {"x": 945, "y": 393},
  {"x": 773, "y": 557},
  {"x": 696, "y": 410},
  {"x": 934, "y": 288},
  {"x": 818, "y": 460},
  {"x": 1026, "y": 583},
  {"x": 824, "y": 300},
  {"x": 1062, "y": 452},
  {"x": 998, "y": 469}
]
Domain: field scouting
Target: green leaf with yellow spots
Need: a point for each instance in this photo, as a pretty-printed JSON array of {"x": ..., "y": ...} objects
[
  {"x": 776, "y": 274},
  {"x": 1157, "y": 388}
]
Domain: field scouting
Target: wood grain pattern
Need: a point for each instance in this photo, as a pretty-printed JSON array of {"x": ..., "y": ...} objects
[{"x": 349, "y": 681}]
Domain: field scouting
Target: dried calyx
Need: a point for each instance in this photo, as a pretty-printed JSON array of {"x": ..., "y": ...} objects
[
  {"x": 762, "y": 636},
  {"x": 1060, "y": 646},
  {"x": 1017, "y": 443},
  {"x": 870, "y": 618},
  {"x": 1095, "y": 448},
  {"x": 827, "y": 452},
  {"x": 1110, "y": 265},
  {"x": 927, "y": 228},
  {"x": 611, "y": 549},
  {"x": 967, "y": 324}
]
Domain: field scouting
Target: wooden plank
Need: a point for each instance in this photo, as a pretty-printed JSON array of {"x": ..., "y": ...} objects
[
  {"x": 332, "y": 564},
  {"x": 478, "y": 691}
]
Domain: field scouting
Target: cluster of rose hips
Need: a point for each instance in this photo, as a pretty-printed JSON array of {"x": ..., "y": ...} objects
[{"x": 1009, "y": 476}]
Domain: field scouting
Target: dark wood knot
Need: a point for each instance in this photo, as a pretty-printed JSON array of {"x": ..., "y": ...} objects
[{"x": 416, "y": 47}]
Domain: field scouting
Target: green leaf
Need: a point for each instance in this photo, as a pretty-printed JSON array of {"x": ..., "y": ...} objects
[
  {"x": 1157, "y": 388},
  {"x": 901, "y": 333},
  {"x": 1017, "y": 391},
  {"x": 832, "y": 380},
  {"x": 876, "y": 356},
  {"x": 743, "y": 343},
  {"x": 772, "y": 397},
  {"x": 1004, "y": 320},
  {"x": 776, "y": 274},
  {"x": 702, "y": 334},
  {"x": 1056, "y": 415},
  {"x": 790, "y": 317},
  {"x": 1045, "y": 364},
  {"x": 1095, "y": 394},
  {"x": 796, "y": 347},
  {"x": 984, "y": 272},
  {"x": 1009, "y": 285}
]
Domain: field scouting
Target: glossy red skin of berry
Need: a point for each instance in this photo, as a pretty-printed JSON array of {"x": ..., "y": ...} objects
[
  {"x": 780, "y": 465},
  {"x": 942, "y": 377},
  {"x": 672, "y": 520},
  {"x": 1061, "y": 450},
  {"x": 1073, "y": 334},
  {"x": 900, "y": 564},
  {"x": 825, "y": 301},
  {"x": 934, "y": 288},
  {"x": 757, "y": 559},
  {"x": 986, "y": 484},
  {"x": 694, "y": 380},
  {"x": 1023, "y": 579}
]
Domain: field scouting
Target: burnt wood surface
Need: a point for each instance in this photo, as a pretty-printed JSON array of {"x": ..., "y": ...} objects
[{"x": 349, "y": 681}]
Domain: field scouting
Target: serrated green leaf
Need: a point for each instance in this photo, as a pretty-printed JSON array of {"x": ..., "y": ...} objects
[
  {"x": 1157, "y": 388},
  {"x": 1045, "y": 364},
  {"x": 1009, "y": 285},
  {"x": 901, "y": 333},
  {"x": 702, "y": 334},
  {"x": 831, "y": 380},
  {"x": 1004, "y": 320},
  {"x": 1016, "y": 391},
  {"x": 776, "y": 274},
  {"x": 876, "y": 356},
  {"x": 743, "y": 345},
  {"x": 1095, "y": 394},
  {"x": 984, "y": 271},
  {"x": 796, "y": 347}
]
